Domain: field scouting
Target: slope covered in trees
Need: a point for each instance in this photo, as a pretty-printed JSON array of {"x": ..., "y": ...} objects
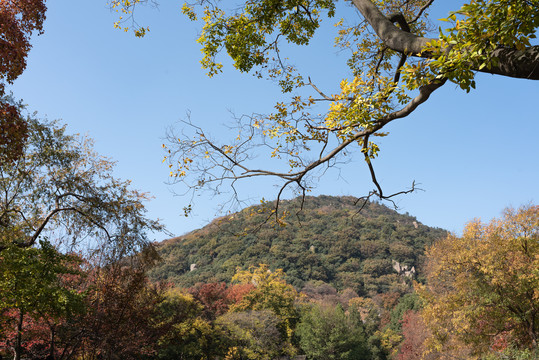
[{"x": 328, "y": 241}]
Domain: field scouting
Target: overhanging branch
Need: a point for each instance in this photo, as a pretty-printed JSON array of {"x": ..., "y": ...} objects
[{"x": 515, "y": 63}]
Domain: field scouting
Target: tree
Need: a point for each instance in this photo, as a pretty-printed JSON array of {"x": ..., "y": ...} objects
[
  {"x": 60, "y": 187},
  {"x": 327, "y": 332},
  {"x": 31, "y": 284},
  {"x": 121, "y": 305},
  {"x": 214, "y": 298},
  {"x": 270, "y": 292},
  {"x": 19, "y": 19},
  {"x": 415, "y": 333},
  {"x": 14, "y": 133},
  {"x": 185, "y": 334},
  {"x": 409, "y": 302},
  {"x": 484, "y": 286},
  {"x": 252, "y": 335},
  {"x": 394, "y": 69}
]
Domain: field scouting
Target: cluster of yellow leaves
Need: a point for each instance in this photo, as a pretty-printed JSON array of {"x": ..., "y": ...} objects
[
  {"x": 360, "y": 103},
  {"x": 271, "y": 292},
  {"x": 125, "y": 7},
  {"x": 390, "y": 340},
  {"x": 479, "y": 28},
  {"x": 485, "y": 282},
  {"x": 184, "y": 162}
]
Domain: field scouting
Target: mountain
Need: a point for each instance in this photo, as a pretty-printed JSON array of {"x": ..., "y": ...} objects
[{"x": 372, "y": 251}]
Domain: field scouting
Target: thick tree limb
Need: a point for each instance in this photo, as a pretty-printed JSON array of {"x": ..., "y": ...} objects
[
  {"x": 522, "y": 64},
  {"x": 393, "y": 37},
  {"x": 517, "y": 63}
]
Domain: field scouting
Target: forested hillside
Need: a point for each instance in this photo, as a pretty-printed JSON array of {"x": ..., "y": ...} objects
[{"x": 329, "y": 241}]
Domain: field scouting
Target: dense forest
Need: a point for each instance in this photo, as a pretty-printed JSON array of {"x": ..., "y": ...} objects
[
  {"x": 329, "y": 283},
  {"x": 328, "y": 241},
  {"x": 314, "y": 278}
]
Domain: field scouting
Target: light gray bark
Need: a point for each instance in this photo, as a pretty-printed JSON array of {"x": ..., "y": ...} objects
[{"x": 511, "y": 62}]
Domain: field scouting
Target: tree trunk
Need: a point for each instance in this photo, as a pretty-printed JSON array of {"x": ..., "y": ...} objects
[
  {"x": 51, "y": 352},
  {"x": 18, "y": 340}
]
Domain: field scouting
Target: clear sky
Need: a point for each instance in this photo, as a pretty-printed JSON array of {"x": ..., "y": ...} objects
[{"x": 473, "y": 154}]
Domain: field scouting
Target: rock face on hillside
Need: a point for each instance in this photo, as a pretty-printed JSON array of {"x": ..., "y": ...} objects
[{"x": 328, "y": 241}]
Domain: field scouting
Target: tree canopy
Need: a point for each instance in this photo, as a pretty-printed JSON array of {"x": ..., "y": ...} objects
[
  {"x": 397, "y": 61},
  {"x": 60, "y": 187},
  {"x": 33, "y": 281},
  {"x": 482, "y": 289},
  {"x": 330, "y": 242},
  {"x": 19, "y": 19}
]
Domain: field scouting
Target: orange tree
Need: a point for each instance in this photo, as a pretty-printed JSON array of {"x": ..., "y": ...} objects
[
  {"x": 18, "y": 20},
  {"x": 483, "y": 288}
]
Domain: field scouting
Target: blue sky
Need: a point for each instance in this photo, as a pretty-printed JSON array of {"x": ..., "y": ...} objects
[{"x": 473, "y": 154}]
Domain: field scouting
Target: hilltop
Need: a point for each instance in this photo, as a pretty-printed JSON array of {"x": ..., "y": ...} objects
[{"x": 373, "y": 251}]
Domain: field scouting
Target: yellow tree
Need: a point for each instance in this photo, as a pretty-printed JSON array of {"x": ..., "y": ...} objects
[
  {"x": 483, "y": 288},
  {"x": 270, "y": 292},
  {"x": 396, "y": 63}
]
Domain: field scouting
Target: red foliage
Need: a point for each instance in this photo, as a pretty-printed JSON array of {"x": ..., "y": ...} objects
[
  {"x": 217, "y": 297},
  {"x": 237, "y": 292},
  {"x": 214, "y": 298},
  {"x": 36, "y": 335},
  {"x": 501, "y": 341},
  {"x": 13, "y": 135},
  {"x": 415, "y": 333},
  {"x": 18, "y": 20}
]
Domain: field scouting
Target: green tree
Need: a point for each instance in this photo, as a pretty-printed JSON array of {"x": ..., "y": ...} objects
[
  {"x": 61, "y": 187},
  {"x": 483, "y": 288},
  {"x": 252, "y": 335},
  {"x": 185, "y": 334},
  {"x": 394, "y": 67},
  {"x": 31, "y": 283},
  {"x": 327, "y": 332},
  {"x": 406, "y": 303}
]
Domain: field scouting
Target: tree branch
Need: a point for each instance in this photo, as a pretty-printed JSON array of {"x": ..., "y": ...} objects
[{"x": 515, "y": 63}]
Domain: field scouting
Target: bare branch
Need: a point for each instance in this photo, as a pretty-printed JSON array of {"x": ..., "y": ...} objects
[
  {"x": 319, "y": 91},
  {"x": 421, "y": 11},
  {"x": 227, "y": 160}
]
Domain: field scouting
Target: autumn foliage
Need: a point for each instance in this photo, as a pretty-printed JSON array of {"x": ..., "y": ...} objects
[
  {"x": 415, "y": 334},
  {"x": 19, "y": 19},
  {"x": 14, "y": 133},
  {"x": 482, "y": 288},
  {"x": 218, "y": 297}
]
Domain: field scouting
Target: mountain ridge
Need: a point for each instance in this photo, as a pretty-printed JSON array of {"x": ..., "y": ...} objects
[{"x": 329, "y": 241}]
